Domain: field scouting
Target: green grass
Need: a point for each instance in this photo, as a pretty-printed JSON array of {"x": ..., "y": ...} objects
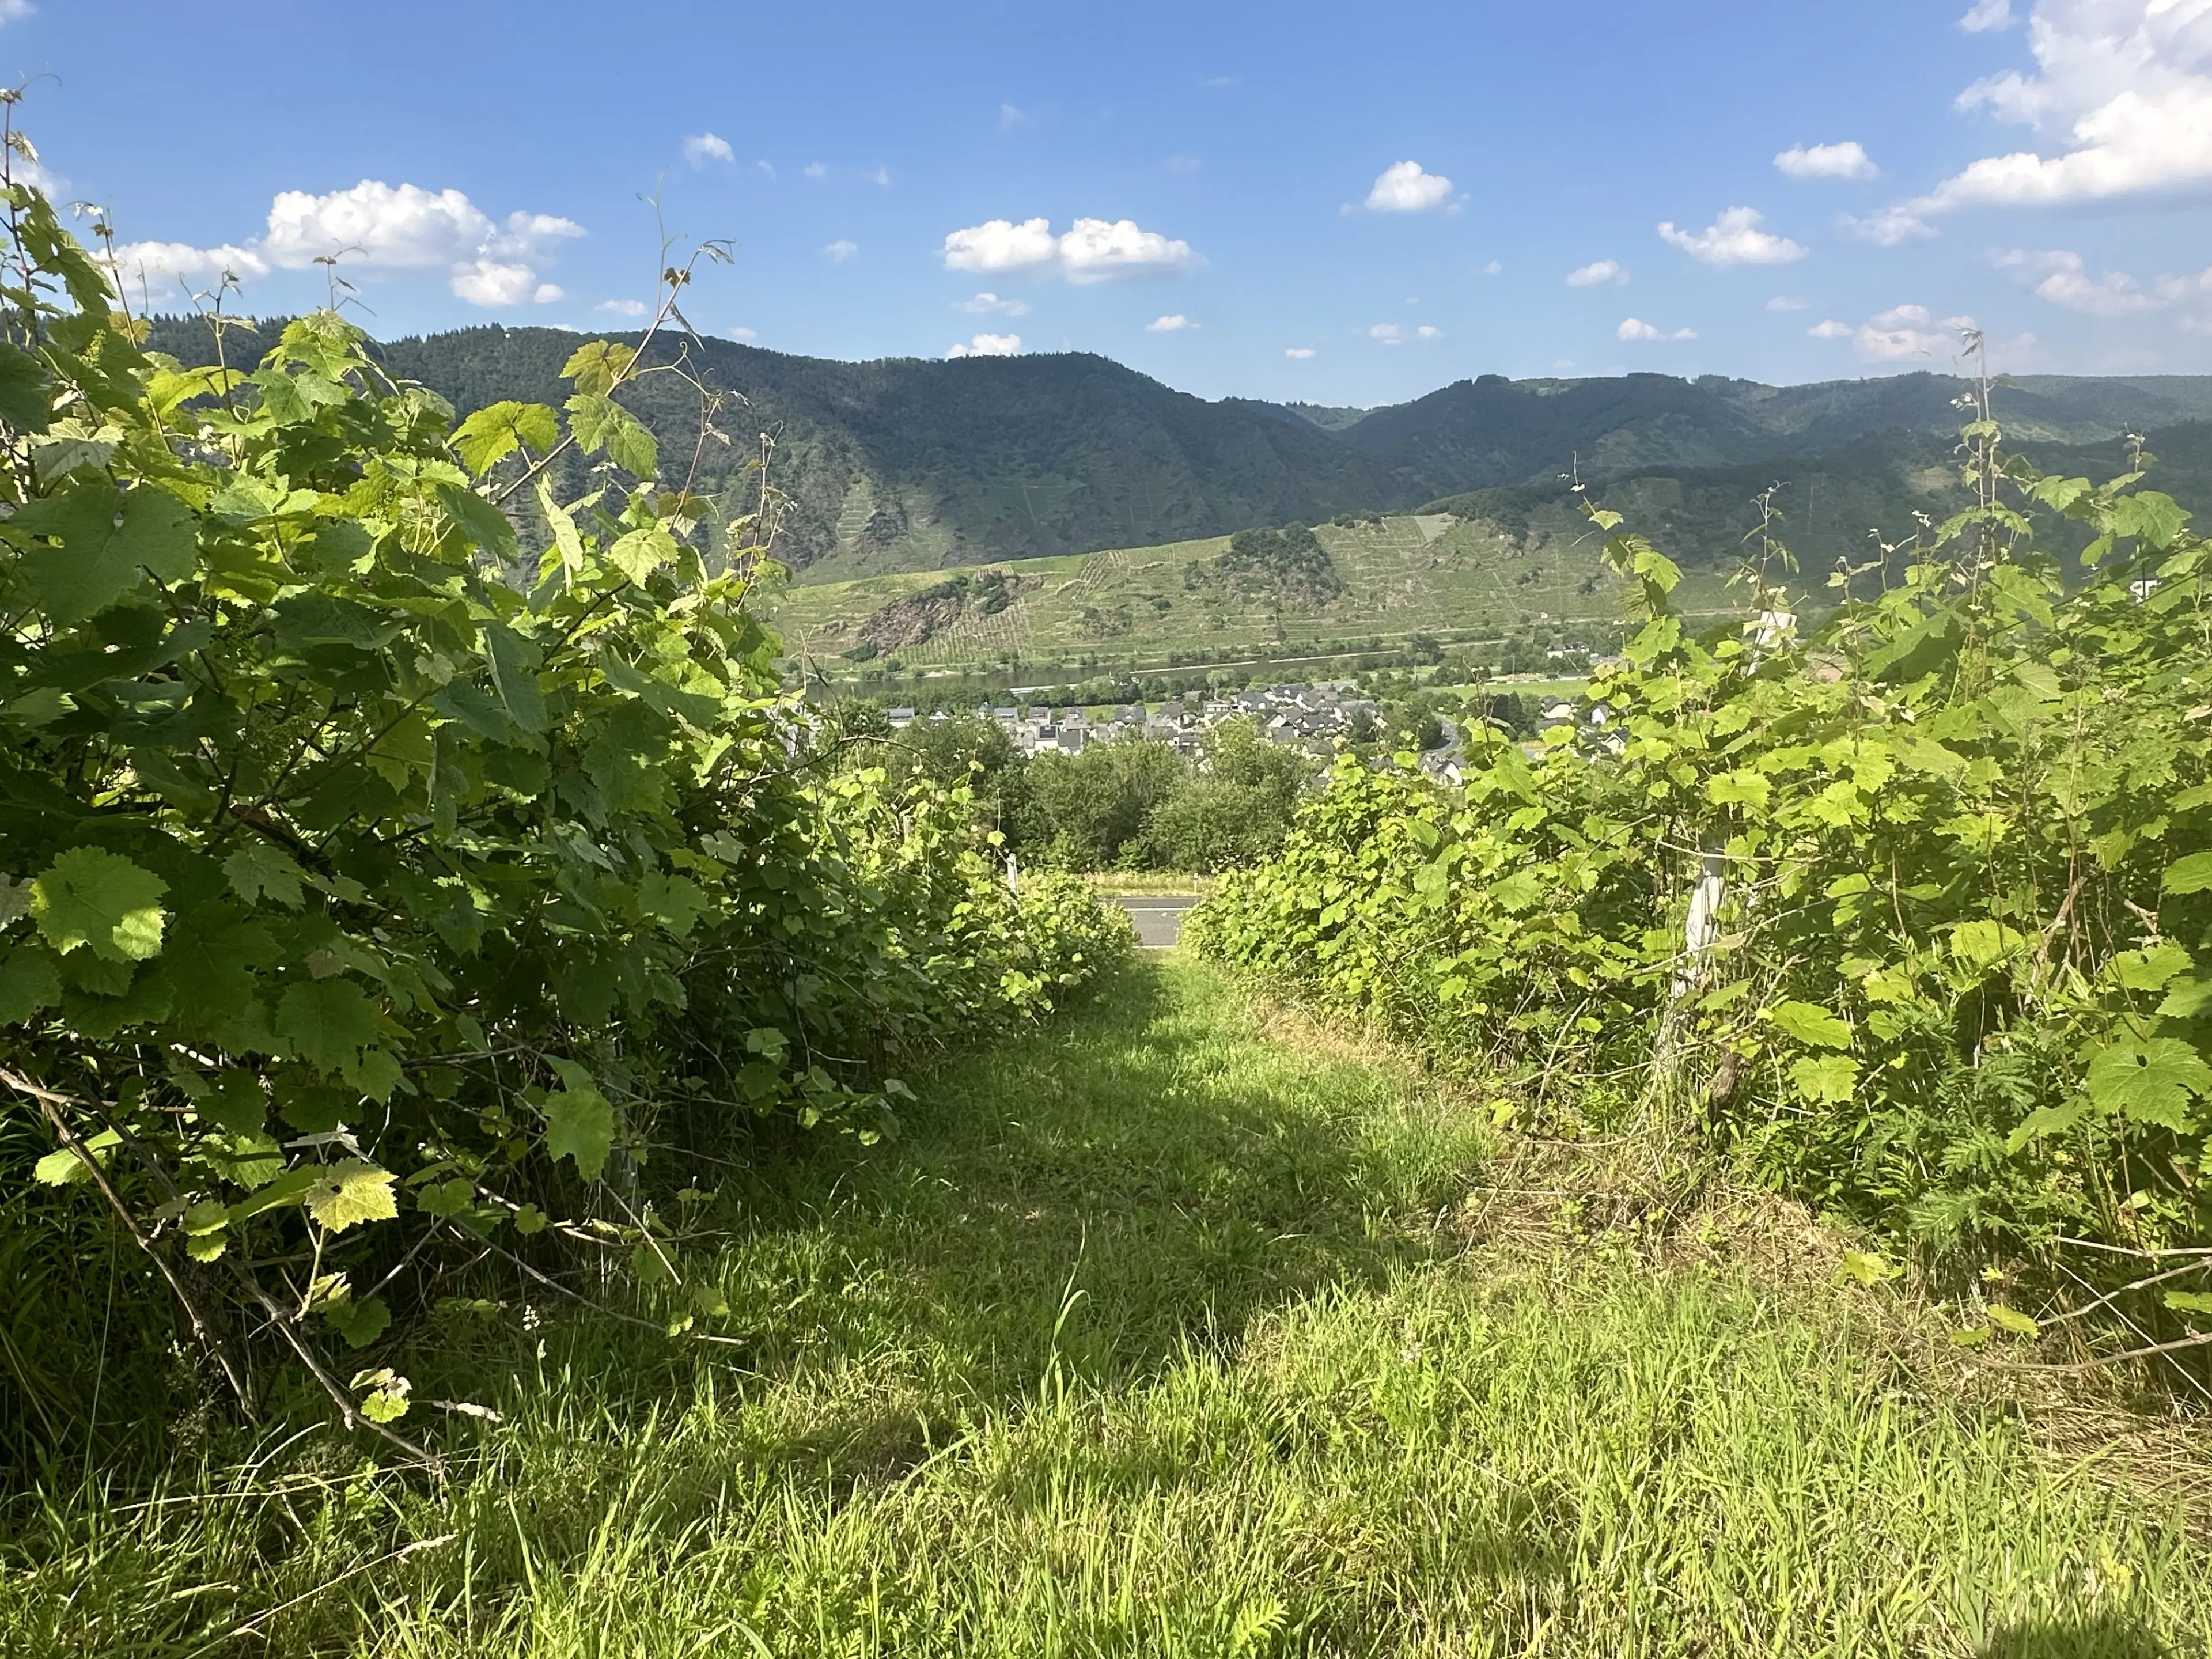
[{"x": 1159, "y": 1333}]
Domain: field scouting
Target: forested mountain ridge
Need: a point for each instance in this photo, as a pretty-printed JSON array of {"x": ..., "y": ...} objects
[{"x": 910, "y": 463}]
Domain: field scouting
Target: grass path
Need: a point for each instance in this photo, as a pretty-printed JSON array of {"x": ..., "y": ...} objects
[{"x": 1145, "y": 1340}]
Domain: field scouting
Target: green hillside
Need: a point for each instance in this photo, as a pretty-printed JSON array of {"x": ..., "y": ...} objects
[
  {"x": 909, "y": 465},
  {"x": 1486, "y": 564}
]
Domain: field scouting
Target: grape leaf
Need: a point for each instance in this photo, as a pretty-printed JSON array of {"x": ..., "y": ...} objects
[
  {"x": 2150, "y": 1080},
  {"x": 359, "y": 1322},
  {"x": 496, "y": 431},
  {"x": 98, "y": 539},
  {"x": 347, "y": 1193},
  {"x": 259, "y": 871},
  {"x": 28, "y": 983},
  {"x": 25, "y": 402},
  {"x": 328, "y": 1021},
  {"x": 1811, "y": 1024},
  {"x": 89, "y": 896},
  {"x": 1826, "y": 1078},
  {"x": 579, "y": 1123},
  {"x": 2192, "y": 874}
]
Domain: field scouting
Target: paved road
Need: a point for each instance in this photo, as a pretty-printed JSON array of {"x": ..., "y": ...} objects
[{"x": 1159, "y": 916}]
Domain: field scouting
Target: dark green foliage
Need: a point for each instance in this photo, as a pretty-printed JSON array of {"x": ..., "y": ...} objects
[{"x": 1288, "y": 564}]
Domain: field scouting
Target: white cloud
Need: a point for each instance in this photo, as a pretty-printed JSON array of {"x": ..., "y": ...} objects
[
  {"x": 491, "y": 282},
  {"x": 2126, "y": 84},
  {"x": 1848, "y": 160},
  {"x": 1634, "y": 328},
  {"x": 1097, "y": 251},
  {"x": 1001, "y": 245},
  {"x": 1900, "y": 317},
  {"x": 1889, "y": 227},
  {"x": 1298, "y": 353},
  {"x": 841, "y": 249},
  {"x": 374, "y": 227},
  {"x": 1902, "y": 334},
  {"x": 1490, "y": 270},
  {"x": 1183, "y": 164},
  {"x": 15, "y": 11},
  {"x": 2175, "y": 289},
  {"x": 742, "y": 334},
  {"x": 1734, "y": 239},
  {"x": 1831, "y": 329},
  {"x": 986, "y": 305},
  {"x": 1010, "y": 118},
  {"x": 767, "y": 167},
  {"x": 1175, "y": 323},
  {"x": 816, "y": 169},
  {"x": 1389, "y": 334},
  {"x": 623, "y": 307},
  {"x": 2066, "y": 281},
  {"x": 1601, "y": 274},
  {"x": 1403, "y": 187},
  {"x": 706, "y": 147},
  {"x": 878, "y": 176},
  {"x": 1783, "y": 302},
  {"x": 1987, "y": 14},
  {"x": 1429, "y": 331},
  {"x": 1092, "y": 251},
  {"x": 143, "y": 262},
  {"x": 986, "y": 345}
]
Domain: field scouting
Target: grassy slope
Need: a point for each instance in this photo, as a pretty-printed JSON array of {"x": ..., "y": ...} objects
[
  {"x": 1405, "y": 577},
  {"x": 1147, "y": 1340}
]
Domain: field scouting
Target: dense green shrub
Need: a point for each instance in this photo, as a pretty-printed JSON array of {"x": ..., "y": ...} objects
[
  {"x": 1957, "y": 981},
  {"x": 378, "y": 898}
]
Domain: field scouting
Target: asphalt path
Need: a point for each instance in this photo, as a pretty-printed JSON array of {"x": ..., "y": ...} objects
[{"x": 1159, "y": 916}]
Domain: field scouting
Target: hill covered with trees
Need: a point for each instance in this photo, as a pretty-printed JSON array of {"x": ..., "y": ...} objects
[{"x": 909, "y": 464}]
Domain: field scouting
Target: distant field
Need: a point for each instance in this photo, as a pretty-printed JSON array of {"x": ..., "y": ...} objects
[{"x": 1136, "y": 607}]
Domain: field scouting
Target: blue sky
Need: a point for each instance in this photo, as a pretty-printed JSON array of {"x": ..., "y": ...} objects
[{"x": 1342, "y": 204}]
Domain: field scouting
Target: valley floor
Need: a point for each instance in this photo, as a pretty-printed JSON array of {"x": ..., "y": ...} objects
[{"x": 1174, "y": 1330}]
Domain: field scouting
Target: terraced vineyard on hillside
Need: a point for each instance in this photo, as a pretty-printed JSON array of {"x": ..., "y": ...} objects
[{"x": 1404, "y": 576}]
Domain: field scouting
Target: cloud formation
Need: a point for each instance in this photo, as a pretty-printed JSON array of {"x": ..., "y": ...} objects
[
  {"x": 986, "y": 345},
  {"x": 2125, "y": 84},
  {"x": 1175, "y": 323},
  {"x": 15, "y": 11},
  {"x": 1634, "y": 328},
  {"x": 705, "y": 147},
  {"x": 1091, "y": 251},
  {"x": 623, "y": 307},
  {"x": 1298, "y": 353},
  {"x": 1784, "y": 302},
  {"x": 376, "y": 226},
  {"x": 988, "y": 305},
  {"x": 2066, "y": 281},
  {"x": 1734, "y": 239},
  {"x": 840, "y": 251},
  {"x": 1603, "y": 273},
  {"x": 1903, "y": 334},
  {"x": 1987, "y": 14},
  {"x": 1404, "y": 187},
  {"x": 1848, "y": 160}
]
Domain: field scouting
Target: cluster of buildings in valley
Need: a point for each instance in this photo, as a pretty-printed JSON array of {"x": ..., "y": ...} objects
[{"x": 1311, "y": 717}]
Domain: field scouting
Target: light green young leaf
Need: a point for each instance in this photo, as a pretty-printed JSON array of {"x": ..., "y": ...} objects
[
  {"x": 1826, "y": 1078},
  {"x": 1812, "y": 1025},
  {"x": 91, "y": 896},
  {"x": 594, "y": 366},
  {"x": 2189, "y": 874},
  {"x": 64, "y": 1168},
  {"x": 638, "y": 553},
  {"x": 2189, "y": 1302},
  {"x": 493, "y": 433},
  {"x": 349, "y": 1193},
  {"x": 599, "y": 422},
  {"x": 2013, "y": 1320}
]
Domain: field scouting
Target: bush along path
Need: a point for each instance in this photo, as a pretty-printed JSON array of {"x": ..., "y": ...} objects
[
  {"x": 1170, "y": 1329},
  {"x": 1912, "y": 912},
  {"x": 406, "y": 865}
]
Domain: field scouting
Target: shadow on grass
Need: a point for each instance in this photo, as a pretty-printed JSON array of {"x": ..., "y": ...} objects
[
  {"x": 1092, "y": 1200},
  {"x": 2094, "y": 1636}
]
